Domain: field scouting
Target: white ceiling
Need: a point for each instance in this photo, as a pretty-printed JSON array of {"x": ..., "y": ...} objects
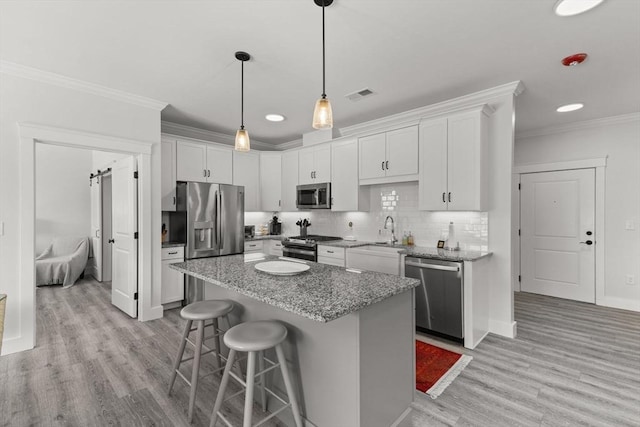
[{"x": 410, "y": 52}]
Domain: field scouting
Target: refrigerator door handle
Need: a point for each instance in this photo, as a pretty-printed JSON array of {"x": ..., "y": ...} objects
[
  {"x": 221, "y": 219},
  {"x": 215, "y": 224}
]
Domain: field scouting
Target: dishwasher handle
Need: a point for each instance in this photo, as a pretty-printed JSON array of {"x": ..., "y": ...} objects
[{"x": 431, "y": 266}]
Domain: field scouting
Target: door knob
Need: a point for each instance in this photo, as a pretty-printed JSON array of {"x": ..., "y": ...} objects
[
  {"x": 111, "y": 241},
  {"x": 589, "y": 233},
  {"x": 588, "y": 242}
]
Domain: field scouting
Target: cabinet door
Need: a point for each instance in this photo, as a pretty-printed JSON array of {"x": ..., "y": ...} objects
[
  {"x": 191, "y": 161},
  {"x": 306, "y": 166},
  {"x": 172, "y": 283},
  {"x": 168, "y": 175},
  {"x": 464, "y": 177},
  {"x": 246, "y": 172},
  {"x": 322, "y": 164},
  {"x": 432, "y": 182},
  {"x": 372, "y": 153},
  {"x": 289, "y": 181},
  {"x": 219, "y": 165},
  {"x": 270, "y": 181},
  {"x": 402, "y": 152},
  {"x": 344, "y": 183},
  {"x": 275, "y": 248}
]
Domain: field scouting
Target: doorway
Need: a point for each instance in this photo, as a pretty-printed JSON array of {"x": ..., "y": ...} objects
[{"x": 558, "y": 234}]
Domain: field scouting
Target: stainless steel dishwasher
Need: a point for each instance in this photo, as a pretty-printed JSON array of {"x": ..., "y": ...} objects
[{"x": 439, "y": 297}]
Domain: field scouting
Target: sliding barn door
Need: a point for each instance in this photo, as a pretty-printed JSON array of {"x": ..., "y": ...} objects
[{"x": 124, "y": 208}]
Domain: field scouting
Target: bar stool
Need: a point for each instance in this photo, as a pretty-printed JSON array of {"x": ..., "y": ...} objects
[
  {"x": 200, "y": 312},
  {"x": 254, "y": 338}
]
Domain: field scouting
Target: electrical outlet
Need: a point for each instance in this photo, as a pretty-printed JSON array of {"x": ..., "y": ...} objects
[{"x": 630, "y": 279}]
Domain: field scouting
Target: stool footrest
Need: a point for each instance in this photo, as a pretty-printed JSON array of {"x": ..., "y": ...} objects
[{"x": 271, "y": 415}]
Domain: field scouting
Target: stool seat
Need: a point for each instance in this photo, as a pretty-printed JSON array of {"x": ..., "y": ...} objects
[
  {"x": 255, "y": 336},
  {"x": 204, "y": 310}
]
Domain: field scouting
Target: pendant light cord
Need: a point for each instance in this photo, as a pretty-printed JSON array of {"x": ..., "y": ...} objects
[
  {"x": 242, "y": 95},
  {"x": 324, "y": 95}
]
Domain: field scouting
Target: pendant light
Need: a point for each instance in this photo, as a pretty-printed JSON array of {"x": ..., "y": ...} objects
[
  {"x": 242, "y": 136},
  {"x": 322, "y": 115}
]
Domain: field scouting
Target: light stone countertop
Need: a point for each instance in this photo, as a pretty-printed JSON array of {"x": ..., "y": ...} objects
[
  {"x": 172, "y": 244},
  {"x": 269, "y": 237},
  {"x": 323, "y": 293},
  {"x": 414, "y": 251}
]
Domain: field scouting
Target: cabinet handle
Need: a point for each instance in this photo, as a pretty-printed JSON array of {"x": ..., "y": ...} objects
[
  {"x": 387, "y": 164},
  {"x": 174, "y": 200},
  {"x": 208, "y": 172},
  {"x": 204, "y": 173},
  {"x": 449, "y": 196},
  {"x": 311, "y": 174},
  {"x": 172, "y": 253},
  {"x": 279, "y": 202},
  {"x": 329, "y": 252},
  {"x": 443, "y": 199},
  {"x": 252, "y": 246},
  {"x": 382, "y": 165}
]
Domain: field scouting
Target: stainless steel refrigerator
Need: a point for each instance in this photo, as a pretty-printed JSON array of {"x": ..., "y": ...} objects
[{"x": 212, "y": 222}]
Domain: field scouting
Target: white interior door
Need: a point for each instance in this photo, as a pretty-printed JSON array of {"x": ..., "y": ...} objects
[
  {"x": 96, "y": 227},
  {"x": 124, "y": 197},
  {"x": 558, "y": 238}
]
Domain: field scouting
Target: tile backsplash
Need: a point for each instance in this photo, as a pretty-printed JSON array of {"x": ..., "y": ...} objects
[{"x": 400, "y": 201}]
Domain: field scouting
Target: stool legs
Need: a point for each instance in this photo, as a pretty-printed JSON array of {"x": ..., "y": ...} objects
[
  {"x": 223, "y": 386},
  {"x": 196, "y": 367},
  {"x": 263, "y": 395},
  {"x": 289, "y": 386},
  {"x": 216, "y": 343},
  {"x": 176, "y": 364},
  {"x": 248, "y": 397}
]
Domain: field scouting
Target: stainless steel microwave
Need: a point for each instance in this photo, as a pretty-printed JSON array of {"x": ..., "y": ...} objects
[{"x": 314, "y": 196}]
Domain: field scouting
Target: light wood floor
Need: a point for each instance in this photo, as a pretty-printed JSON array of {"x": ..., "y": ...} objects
[{"x": 572, "y": 364}]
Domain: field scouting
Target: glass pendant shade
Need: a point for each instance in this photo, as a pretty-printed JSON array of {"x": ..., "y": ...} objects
[
  {"x": 242, "y": 140},
  {"x": 322, "y": 115}
]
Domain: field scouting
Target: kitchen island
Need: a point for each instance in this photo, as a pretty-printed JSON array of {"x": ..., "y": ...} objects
[{"x": 351, "y": 335}]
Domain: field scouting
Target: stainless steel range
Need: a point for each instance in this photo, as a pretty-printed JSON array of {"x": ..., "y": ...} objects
[{"x": 304, "y": 247}]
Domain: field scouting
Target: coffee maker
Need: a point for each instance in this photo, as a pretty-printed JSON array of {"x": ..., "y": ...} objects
[{"x": 275, "y": 227}]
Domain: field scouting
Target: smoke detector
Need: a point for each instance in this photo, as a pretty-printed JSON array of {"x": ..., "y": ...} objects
[{"x": 359, "y": 94}]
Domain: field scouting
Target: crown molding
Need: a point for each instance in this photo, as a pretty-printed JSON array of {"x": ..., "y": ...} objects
[
  {"x": 178, "y": 130},
  {"x": 575, "y": 126},
  {"x": 296, "y": 143},
  {"x": 54, "y": 79},
  {"x": 445, "y": 107}
]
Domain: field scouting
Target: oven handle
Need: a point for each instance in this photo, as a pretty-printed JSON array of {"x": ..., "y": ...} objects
[{"x": 298, "y": 251}]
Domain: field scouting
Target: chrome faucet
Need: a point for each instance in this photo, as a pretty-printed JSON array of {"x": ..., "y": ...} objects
[{"x": 393, "y": 234}]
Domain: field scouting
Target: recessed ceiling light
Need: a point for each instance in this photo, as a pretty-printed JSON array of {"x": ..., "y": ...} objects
[
  {"x": 274, "y": 117},
  {"x": 569, "y": 107},
  {"x": 574, "y": 7}
]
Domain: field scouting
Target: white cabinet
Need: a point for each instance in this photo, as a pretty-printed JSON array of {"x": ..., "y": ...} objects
[
  {"x": 331, "y": 255},
  {"x": 374, "y": 258},
  {"x": 346, "y": 192},
  {"x": 253, "y": 246},
  {"x": 289, "y": 181},
  {"x": 172, "y": 280},
  {"x": 203, "y": 162},
  {"x": 246, "y": 172},
  {"x": 389, "y": 156},
  {"x": 270, "y": 181},
  {"x": 314, "y": 164},
  {"x": 273, "y": 247},
  {"x": 168, "y": 174},
  {"x": 191, "y": 161},
  {"x": 219, "y": 165},
  {"x": 453, "y": 155}
]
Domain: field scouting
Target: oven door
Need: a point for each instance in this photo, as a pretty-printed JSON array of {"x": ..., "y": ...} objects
[{"x": 299, "y": 253}]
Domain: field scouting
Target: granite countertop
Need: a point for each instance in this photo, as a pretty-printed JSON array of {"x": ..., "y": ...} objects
[
  {"x": 270, "y": 237},
  {"x": 172, "y": 244},
  {"x": 443, "y": 254},
  {"x": 344, "y": 243},
  {"x": 323, "y": 293}
]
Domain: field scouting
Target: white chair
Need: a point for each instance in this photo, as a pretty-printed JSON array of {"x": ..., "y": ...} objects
[{"x": 63, "y": 262}]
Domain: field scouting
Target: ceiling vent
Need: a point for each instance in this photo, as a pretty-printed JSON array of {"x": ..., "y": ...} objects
[{"x": 358, "y": 95}]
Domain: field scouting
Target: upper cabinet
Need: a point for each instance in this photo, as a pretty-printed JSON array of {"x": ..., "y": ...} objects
[
  {"x": 314, "y": 164},
  {"x": 289, "y": 181},
  {"x": 346, "y": 193},
  {"x": 203, "y": 162},
  {"x": 389, "y": 156},
  {"x": 246, "y": 172},
  {"x": 270, "y": 181},
  {"x": 453, "y": 159},
  {"x": 168, "y": 174}
]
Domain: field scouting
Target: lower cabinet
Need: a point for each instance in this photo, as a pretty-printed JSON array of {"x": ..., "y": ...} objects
[
  {"x": 252, "y": 246},
  {"x": 331, "y": 255},
  {"x": 172, "y": 280},
  {"x": 273, "y": 247}
]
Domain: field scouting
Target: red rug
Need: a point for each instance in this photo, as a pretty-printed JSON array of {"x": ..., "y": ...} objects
[{"x": 433, "y": 363}]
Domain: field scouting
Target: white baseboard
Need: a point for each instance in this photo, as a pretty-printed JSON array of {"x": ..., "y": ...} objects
[
  {"x": 505, "y": 329},
  {"x": 624, "y": 304},
  {"x": 402, "y": 416},
  {"x": 16, "y": 345}
]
